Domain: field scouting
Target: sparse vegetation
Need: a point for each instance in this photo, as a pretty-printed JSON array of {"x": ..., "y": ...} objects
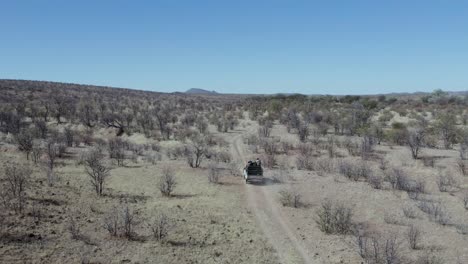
[{"x": 334, "y": 218}]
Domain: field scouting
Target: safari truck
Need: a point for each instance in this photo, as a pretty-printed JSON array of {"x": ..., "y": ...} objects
[{"x": 253, "y": 172}]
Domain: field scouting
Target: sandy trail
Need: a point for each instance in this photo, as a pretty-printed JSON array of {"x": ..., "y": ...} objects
[{"x": 274, "y": 225}]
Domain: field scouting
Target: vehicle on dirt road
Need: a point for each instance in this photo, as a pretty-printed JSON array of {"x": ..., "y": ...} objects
[{"x": 253, "y": 172}]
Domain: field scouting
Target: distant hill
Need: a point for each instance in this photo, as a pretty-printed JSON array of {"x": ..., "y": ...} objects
[{"x": 199, "y": 91}]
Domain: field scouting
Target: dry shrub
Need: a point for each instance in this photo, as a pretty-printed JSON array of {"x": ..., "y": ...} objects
[
  {"x": 354, "y": 171},
  {"x": 304, "y": 162},
  {"x": 465, "y": 201},
  {"x": 290, "y": 198},
  {"x": 73, "y": 228},
  {"x": 96, "y": 169},
  {"x": 351, "y": 147},
  {"x": 436, "y": 211},
  {"x": 334, "y": 218},
  {"x": 269, "y": 160},
  {"x": 161, "y": 227},
  {"x": 399, "y": 180},
  {"x": 376, "y": 181},
  {"x": 167, "y": 181},
  {"x": 121, "y": 222},
  {"x": 279, "y": 176},
  {"x": 410, "y": 212},
  {"x": 414, "y": 237},
  {"x": 16, "y": 179},
  {"x": 447, "y": 182},
  {"x": 213, "y": 173},
  {"x": 379, "y": 249},
  {"x": 462, "y": 167}
]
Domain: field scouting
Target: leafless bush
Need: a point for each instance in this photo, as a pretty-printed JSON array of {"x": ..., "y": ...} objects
[
  {"x": 436, "y": 212},
  {"x": 366, "y": 147},
  {"x": 286, "y": 147},
  {"x": 36, "y": 152},
  {"x": 264, "y": 131},
  {"x": 351, "y": 147},
  {"x": 303, "y": 132},
  {"x": 428, "y": 161},
  {"x": 304, "y": 162},
  {"x": 152, "y": 157},
  {"x": 161, "y": 227},
  {"x": 378, "y": 249},
  {"x": 3, "y": 224},
  {"x": 393, "y": 219},
  {"x": 223, "y": 156},
  {"x": 323, "y": 165},
  {"x": 465, "y": 201},
  {"x": 306, "y": 149},
  {"x": 96, "y": 169},
  {"x": 410, "y": 212},
  {"x": 401, "y": 181},
  {"x": 354, "y": 171},
  {"x": 392, "y": 250},
  {"x": 51, "y": 151},
  {"x": 269, "y": 160},
  {"x": 36, "y": 213},
  {"x": 213, "y": 173},
  {"x": 334, "y": 218},
  {"x": 69, "y": 135},
  {"x": 129, "y": 222},
  {"x": 121, "y": 222},
  {"x": 383, "y": 164},
  {"x": 414, "y": 237},
  {"x": 17, "y": 178},
  {"x": 116, "y": 147},
  {"x": 112, "y": 222},
  {"x": 462, "y": 229},
  {"x": 279, "y": 176},
  {"x": 447, "y": 182},
  {"x": 462, "y": 167},
  {"x": 430, "y": 259},
  {"x": 375, "y": 181},
  {"x": 290, "y": 198},
  {"x": 167, "y": 181},
  {"x": 73, "y": 228}
]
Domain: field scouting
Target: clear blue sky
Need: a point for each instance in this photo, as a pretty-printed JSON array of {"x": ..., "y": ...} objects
[{"x": 333, "y": 47}]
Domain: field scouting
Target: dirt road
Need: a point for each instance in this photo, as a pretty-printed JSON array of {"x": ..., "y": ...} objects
[{"x": 265, "y": 207}]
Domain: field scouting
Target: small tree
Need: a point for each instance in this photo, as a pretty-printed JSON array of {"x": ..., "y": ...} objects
[
  {"x": 25, "y": 142},
  {"x": 96, "y": 170},
  {"x": 196, "y": 151},
  {"x": 167, "y": 181}
]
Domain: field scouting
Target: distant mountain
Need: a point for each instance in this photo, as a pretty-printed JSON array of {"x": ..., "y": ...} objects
[{"x": 199, "y": 91}]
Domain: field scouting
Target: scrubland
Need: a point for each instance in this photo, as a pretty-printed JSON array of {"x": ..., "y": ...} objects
[{"x": 106, "y": 175}]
